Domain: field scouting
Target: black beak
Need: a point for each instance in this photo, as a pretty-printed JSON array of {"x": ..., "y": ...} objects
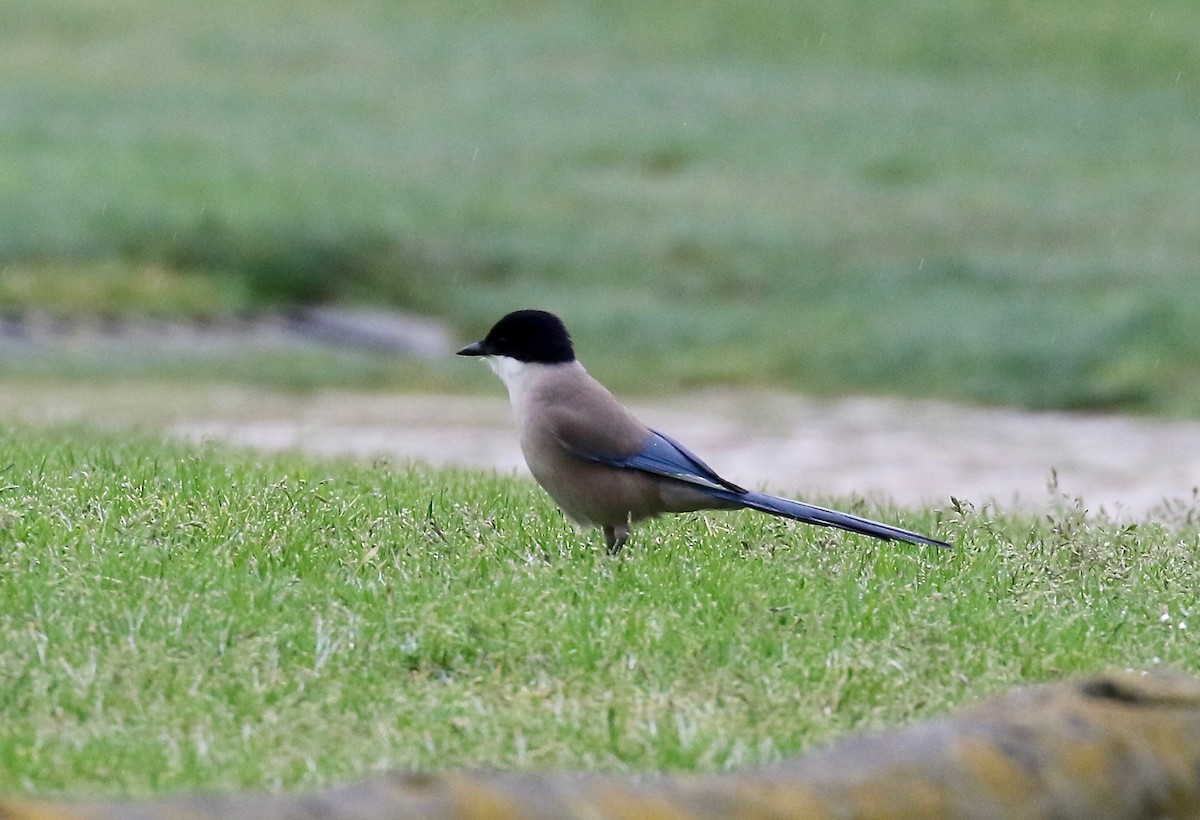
[{"x": 476, "y": 349}]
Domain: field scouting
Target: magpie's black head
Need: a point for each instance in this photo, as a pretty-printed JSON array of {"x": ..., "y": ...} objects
[{"x": 528, "y": 336}]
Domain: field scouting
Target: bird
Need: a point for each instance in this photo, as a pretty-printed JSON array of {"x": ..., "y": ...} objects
[{"x": 600, "y": 464}]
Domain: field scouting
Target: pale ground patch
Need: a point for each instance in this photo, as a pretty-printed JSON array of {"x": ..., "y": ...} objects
[{"x": 914, "y": 453}]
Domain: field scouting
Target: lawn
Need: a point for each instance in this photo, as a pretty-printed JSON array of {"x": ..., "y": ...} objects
[
  {"x": 181, "y": 618},
  {"x": 982, "y": 201}
]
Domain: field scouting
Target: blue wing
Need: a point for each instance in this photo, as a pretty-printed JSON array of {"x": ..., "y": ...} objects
[{"x": 663, "y": 455}]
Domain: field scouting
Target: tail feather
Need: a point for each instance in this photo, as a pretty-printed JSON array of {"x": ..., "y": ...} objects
[{"x": 812, "y": 514}]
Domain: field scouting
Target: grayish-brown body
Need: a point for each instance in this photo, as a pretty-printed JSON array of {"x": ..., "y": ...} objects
[{"x": 548, "y": 402}]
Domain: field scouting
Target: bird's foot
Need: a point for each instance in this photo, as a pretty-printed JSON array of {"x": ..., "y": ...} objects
[{"x": 615, "y": 538}]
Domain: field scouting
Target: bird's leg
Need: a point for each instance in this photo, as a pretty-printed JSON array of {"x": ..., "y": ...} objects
[{"x": 615, "y": 537}]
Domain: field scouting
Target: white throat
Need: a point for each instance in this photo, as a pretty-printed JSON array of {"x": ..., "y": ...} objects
[
  {"x": 515, "y": 374},
  {"x": 525, "y": 380}
]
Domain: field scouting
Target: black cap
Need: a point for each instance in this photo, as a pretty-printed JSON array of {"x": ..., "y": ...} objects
[{"x": 528, "y": 336}]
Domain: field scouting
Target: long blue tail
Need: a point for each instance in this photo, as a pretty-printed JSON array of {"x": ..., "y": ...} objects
[
  {"x": 812, "y": 514},
  {"x": 662, "y": 455}
]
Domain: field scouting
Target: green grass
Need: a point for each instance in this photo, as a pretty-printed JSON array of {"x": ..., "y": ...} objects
[
  {"x": 986, "y": 201},
  {"x": 199, "y": 618},
  {"x": 113, "y": 288}
]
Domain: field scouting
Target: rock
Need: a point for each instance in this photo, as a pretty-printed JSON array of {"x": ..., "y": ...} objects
[
  {"x": 1112, "y": 747},
  {"x": 372, "y": 330},
  {"x": 381, "y": 330}
]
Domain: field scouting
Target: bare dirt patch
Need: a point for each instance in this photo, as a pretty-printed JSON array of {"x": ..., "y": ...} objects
[{"x": 912, "y": 452}]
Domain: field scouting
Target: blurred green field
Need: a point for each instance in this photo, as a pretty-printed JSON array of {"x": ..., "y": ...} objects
[
  {"x": 201, "y": 618},
  {"x": 984, "y": 201}
]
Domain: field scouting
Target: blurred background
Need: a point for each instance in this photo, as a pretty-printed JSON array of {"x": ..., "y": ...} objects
[{"x": 987, "y": 202}]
